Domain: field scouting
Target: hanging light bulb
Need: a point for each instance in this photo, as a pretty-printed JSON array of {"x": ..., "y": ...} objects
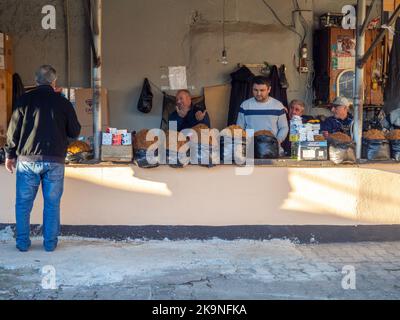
[{"x": 224, "y": 59}]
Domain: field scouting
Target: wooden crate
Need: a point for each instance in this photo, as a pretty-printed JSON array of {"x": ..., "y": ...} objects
[{"x": 117, "y": 153}]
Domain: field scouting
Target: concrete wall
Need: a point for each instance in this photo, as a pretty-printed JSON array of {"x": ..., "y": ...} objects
[
  {"x": 143, "y": 36},
  {"x": 34, "y": 46},
  {"x": 196, "y": 196},
  {"x": 173, "y": 32}
]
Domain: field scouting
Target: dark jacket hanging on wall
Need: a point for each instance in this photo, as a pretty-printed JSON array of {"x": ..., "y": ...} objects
[
  {"x": 241, "y": 91},
  {"x": 277, "y": 91},
  {"x": 392, "y": 89},
  {"x": 280, "y": 93},
  {"x": 18, "y": 89}
]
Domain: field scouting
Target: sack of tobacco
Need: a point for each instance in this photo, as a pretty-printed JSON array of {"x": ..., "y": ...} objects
[
  {"x": 233, "y": 144},
  {"x": 342, "y": 149},
  {"x": 394, "y": 139},
  {"x": 146, "y": 149},
  {"x": 204, "y": 147},
  {"x": 266, "y": 146},
  {"x": 375, "y": 146},
  {"x": 177, "y": 149}
]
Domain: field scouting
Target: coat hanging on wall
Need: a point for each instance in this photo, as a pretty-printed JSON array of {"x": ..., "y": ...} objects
[
  {"x": 18, "y": 89},
  {"x": 241, "y": 91},
  {"x": 279, "y": 85}
]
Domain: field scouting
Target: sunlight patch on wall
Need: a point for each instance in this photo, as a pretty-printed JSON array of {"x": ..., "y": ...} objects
[
  {"x": 118, "y": 178},
  {"x": 320, "y": 191}
]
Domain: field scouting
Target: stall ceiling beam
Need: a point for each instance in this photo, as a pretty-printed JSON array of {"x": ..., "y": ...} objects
[
  {"x": 368, "y": 18},
  {"x": 95, "y": 19},
  {"x": 97, "y": 79},
  {"x": 379, "y": 38},
  {"x": 359, "y": 79}
]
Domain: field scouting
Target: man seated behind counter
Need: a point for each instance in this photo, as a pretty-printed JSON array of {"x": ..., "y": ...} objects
[
  {"x": 297, "y": 108},
  {"x": 188, "y": 115},
  {"x": 341, "y": 120},
  {"x": 263, "y": 112}
]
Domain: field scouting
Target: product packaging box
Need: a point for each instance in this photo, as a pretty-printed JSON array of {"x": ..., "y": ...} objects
[
  {"x": 313, "y": 151},
  {"x": 84, "y": 110}
]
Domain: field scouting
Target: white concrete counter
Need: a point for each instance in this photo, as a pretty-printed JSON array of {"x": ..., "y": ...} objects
[{"x": 197, "y": 196}]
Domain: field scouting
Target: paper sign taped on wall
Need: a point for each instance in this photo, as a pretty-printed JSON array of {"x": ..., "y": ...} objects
[
  {"x": 177, "y": 78},
  {"x": 346, "y": 63}
]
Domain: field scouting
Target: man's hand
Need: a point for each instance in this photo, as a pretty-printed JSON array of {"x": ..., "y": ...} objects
[
  {"x": 181, "y": 111},
  {"x": 200, "y": 115},
  {"x": 10, "y": 165},
  {"x": 286, "y": 109},
  {"x": 58, "y": 89},
  {"x": 325, "y": 134}
]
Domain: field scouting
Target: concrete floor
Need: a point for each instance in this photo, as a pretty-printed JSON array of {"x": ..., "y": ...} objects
[{"x": 215, "y": 269}]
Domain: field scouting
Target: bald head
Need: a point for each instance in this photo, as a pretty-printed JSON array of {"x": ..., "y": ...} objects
[{"x": 184, "y": 99}]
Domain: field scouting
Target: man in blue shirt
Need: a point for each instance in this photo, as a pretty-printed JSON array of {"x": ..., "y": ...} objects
[
  {"x": 341, "y": 120},
  {"x": 188, "y": 115}
]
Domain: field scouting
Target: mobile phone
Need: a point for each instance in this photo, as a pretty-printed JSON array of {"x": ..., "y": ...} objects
[{"x": 199, "y": 107}]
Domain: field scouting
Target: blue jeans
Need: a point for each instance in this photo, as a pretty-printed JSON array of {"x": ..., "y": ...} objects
[{"x": 29, "y": 177}]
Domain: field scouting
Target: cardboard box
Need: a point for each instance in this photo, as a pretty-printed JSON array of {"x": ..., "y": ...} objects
[
  {"x": 84, "y": 107},
  {"x": 112, "y": 130},
  {"x": 117, "y": 153},
  {"x": 117, "y": 139},
  {"x": 107, "y": 139},
  {"x": 313, "y": 151},
  {"x": 127, "y": 139}
]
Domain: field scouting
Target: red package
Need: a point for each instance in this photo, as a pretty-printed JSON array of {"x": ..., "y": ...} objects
[{"x": 117, "y": 139}]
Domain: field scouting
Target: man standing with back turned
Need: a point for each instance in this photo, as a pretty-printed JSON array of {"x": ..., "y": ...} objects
[{"x": 37, "y": 142}]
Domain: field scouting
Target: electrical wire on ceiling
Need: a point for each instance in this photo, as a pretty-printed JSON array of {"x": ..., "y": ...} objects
[
  {"x": 224, "y": 59},
  {"x": 290, "y": 28},
  {"x": 223, "y": 23},
  {"x": 303, "y": 21},
  {"x": 309, "y": 94}
]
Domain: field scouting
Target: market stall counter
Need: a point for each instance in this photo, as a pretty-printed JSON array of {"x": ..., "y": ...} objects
[{"x": 283, "y": 194}]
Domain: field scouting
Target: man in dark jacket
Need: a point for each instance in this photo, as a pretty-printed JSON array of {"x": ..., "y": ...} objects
[
  {"x": 341, "y": 121},
  {"x": 188, "y": 115},
  {"x": 38, "y": 138}
]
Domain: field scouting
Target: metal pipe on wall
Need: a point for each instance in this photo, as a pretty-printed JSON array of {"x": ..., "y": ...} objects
[
  {"x": 96, "y": 77},
  {"x": 359, "y": 78},
  {"x": 68, "y": 46}
]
